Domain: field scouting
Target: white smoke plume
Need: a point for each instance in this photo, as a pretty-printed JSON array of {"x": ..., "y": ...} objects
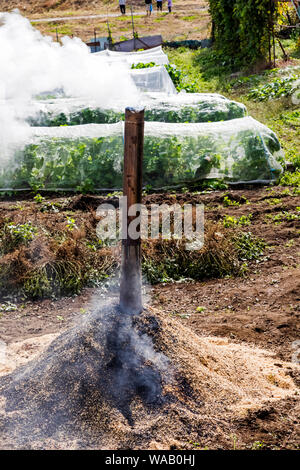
[{"x": 32, "y": 64}]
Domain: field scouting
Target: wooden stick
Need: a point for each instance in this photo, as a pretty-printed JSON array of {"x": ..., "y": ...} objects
[{"x": 131, "y": 284}]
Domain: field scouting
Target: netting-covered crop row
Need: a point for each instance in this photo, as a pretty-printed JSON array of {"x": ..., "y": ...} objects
[
  {"x": 154, "y": 54},
  {"x": 90, "y": 156},
  {"x": 160, "y": 107},
  {"x": 77, "y": 143},
  {"x": 154, "y": 79}
]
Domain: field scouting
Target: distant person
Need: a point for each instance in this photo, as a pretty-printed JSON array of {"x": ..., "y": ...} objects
[
  {"x": 122, "y": 4},
  {"x": 159, "y": 5},
  {"x": 170, "y": 4},
  {"x": 148, "y": 7}
]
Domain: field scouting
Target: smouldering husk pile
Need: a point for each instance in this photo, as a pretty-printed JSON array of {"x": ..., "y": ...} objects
[{"x": 144, "y": 382}]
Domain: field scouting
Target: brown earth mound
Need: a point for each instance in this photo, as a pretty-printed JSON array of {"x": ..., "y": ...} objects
[{"x": 148, "y": 382}]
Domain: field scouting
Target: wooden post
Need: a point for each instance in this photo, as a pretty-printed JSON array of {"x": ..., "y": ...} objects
[
  {"x": 132, "y": 24},
  {"x": 131, "y": 282}
]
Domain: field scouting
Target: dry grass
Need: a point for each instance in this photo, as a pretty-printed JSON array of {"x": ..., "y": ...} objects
[{"x": 56, "y": 261}]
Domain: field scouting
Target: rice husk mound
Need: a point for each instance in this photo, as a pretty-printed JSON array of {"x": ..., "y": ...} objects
[{"x": 147, "y": 382}]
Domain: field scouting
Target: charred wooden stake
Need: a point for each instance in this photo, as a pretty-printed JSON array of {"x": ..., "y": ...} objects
[{"x": 131, "y": 283}]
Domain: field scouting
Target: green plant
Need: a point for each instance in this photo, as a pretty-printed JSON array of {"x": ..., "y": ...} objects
[
  {"x": 95, "y": 245},
  {"x": 292, "y": 118},
  {"x": 230, "y": 202},
  {"x": 234, "y": 441},
  {"x": 196, "y": 112},
  {"x": 257, "y": 445},
  {"x": 39, "y": 199},
  {"x": 71, "y": 224},
  {"x": 50, "y": 206},
  {"x": 87, "y": 164},
  {"x": 189, "y": 18},
  {"x": 179, "y": 79},
  {"x": 230, "y": 222},
  {"x": 248, "y": 246},
  {"x": 275, "y": 89},
  {"x": 200, "y": 309},
  {"x": 8, "y": 307},
  {"x": 291, "y": 179},
  {"x": 13, "y": 235},
  {"x": 283, "y": 216},
  {"x": 245, "y": 219},
  {"x": 142, "y": 65},
  {"x": 273, "y": 201}
]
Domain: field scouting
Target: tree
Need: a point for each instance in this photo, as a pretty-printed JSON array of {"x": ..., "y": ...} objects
[{"x": 242, "y": 29}]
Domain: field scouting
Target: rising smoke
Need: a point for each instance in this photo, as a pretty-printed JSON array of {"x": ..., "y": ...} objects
[
  {"x": 32, "y": 65},
  {"x": 97, "y": 369}
]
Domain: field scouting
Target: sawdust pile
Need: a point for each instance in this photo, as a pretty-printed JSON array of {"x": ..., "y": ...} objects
[
  {"x": 19, "y": 353},
  {"x": 147, "y": 382}
]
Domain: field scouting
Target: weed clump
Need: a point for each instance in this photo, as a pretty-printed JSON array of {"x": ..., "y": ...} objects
[
  {"x": 224, "y": 254},
  {"x": 46, "y": 266},
  {"x": 74, "y": 267}
]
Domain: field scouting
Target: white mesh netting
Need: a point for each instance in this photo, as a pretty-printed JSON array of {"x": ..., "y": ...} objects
[
  {"x": 161, "y": 107},
  {"x": 90, "y": 156},
  {"x": 155, "y": 54},
  {"x": 154, "y": 79},
  {"x": 78, "y": 144}
]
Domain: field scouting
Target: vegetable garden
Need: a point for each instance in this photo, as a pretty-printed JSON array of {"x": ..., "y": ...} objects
[{"x": 213, "y": 359}]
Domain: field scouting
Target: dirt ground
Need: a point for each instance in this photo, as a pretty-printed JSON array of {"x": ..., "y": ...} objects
[
  {"x": 48, "y": 7},
  {"x": 261, "y": 309},
  {"x": 176, "y": 27},
  {"x": 188, "y": 21}
]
